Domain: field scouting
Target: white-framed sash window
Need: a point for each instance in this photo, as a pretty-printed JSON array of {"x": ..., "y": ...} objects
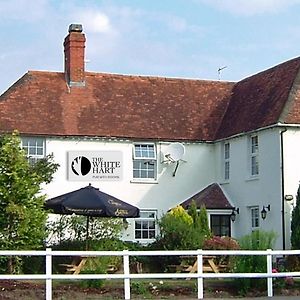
[
  {"x": 254, "y": 158},
  {"x": 254, "y": 217},
  {"x": 144, "y": 162},
  {"x": 226, "y": 160},
  {"x": 145, "y": 226},
  {"x": 34, "y": 148}
]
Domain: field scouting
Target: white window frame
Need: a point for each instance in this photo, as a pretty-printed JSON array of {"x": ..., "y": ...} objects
[
  {"x": 145, "y": 220},
  {"x": 226, "y": 161},
  {"x": 255, "y": 222},
  {"x": 148, "y": 159},
  {"x": 34, "y": 148},
  {"x": 254, "y": 155}
]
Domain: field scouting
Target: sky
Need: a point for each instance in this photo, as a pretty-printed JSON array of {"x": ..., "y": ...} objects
[{"x": 168, "y": 38}]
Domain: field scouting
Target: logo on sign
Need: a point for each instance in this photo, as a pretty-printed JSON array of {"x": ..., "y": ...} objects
[
  {"x": 94, "y": 165},
  {"x": 81, "y": 165}
]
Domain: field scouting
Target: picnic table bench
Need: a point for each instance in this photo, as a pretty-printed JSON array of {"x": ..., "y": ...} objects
[
  {"x": 209, "y": 265},
  {"x": 79, "y": 262}
]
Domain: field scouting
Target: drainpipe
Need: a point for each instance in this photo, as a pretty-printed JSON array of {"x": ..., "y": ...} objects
[{"x": 282, "y": 189}]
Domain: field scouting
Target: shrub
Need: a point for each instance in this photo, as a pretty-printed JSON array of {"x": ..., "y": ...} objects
[
  {"x": 180, "y": 230},
  {"x": 295, "y": 224},
  {"x": 175, "y": 229},
  {"x": 222, "y": 243},
  {"x": 66, "y": 228},
  {"x": 257, "y": 240}
]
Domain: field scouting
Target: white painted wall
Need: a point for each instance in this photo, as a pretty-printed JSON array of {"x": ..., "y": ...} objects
[
  {"x": 203, "y": 165},
  {"x": 195, "y": 173},
  {"x": 244, "y": 191},
  {"x": 291, "y": 156}
]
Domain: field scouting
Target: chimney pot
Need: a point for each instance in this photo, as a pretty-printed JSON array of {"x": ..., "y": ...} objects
[{"x": 75, "y": 28}]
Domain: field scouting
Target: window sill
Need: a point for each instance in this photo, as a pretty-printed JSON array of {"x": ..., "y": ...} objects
[
  {"x": 251, "y": 178},
  {"x": 144, "y": 241},
  {"x": 225, "y": 182},
  {"x": 144, "y": 181}
]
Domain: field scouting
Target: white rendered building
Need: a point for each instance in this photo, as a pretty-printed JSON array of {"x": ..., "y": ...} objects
[{"x": 158, "y": 142}]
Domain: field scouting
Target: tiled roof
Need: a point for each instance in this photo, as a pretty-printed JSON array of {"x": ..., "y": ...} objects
[
  {"x": 212, "y": 197},
  {"x": 260, "y": 100},
  {"x": 41, "y": 103},
  {"x": 140, "y": 107}
]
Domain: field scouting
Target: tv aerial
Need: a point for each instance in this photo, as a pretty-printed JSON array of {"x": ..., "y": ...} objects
[
  {"x": 174, "y": 154},
  {"x": 219, "y": 71}
]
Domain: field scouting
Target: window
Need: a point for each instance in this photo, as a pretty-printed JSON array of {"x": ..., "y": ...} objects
[
  {"x": 34, "y": 148},
  {"x": 226, "y": 161},
  {"x": 255, "y": 217},
  {"x": 220, "y": 225},
  {"x": 144, "y": 162},
  {"x": 254, "y": 163},
  {"x": 145, "y": 226}
]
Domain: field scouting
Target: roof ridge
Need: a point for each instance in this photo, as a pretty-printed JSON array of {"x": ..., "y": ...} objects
[
  {"x": 157, "y": 77},
  {"x": 270, "y": 69}
]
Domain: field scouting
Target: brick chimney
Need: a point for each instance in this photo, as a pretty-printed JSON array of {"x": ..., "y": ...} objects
[{"x": 74, "y": 45}]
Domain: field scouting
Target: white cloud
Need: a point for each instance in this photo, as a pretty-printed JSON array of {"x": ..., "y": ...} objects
[
  {"x": 251, "y": 7},
  {"x": 94, "y": 21}
]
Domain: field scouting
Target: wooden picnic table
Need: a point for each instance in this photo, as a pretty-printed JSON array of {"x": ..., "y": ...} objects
[
  {"x": 208, "y": 264},
  {"x": 79, "y": 262},
  {"x": 76, "y": 265}
]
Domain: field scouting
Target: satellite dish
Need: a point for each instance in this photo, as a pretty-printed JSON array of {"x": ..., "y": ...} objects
[{"x": 175, "y": 152}]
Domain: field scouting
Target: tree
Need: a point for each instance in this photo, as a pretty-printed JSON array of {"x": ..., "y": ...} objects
[
  {"x": 295, "y": 224},
  {"x": 22, "y": 216},
  {"x": 202, "y": 223},
  {"x": 200, "y": 220}
]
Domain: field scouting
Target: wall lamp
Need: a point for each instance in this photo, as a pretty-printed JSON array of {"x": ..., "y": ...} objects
[
  {"x": 264, "y": 211},
  {"x": 288, "y": 197},
  {"x": 235, "y": 211}
]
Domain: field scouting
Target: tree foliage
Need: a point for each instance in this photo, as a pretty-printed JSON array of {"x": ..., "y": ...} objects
[
  {"x": 22, "y": 217},
  {"x": 295, "y": 224},
  {"x": 74, "y": 228},
  {"x": 200, "y": 220},
  {"x": 182, "y": 230}
]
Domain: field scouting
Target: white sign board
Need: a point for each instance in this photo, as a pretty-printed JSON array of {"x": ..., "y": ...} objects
[{"x": 95, "y": 165}]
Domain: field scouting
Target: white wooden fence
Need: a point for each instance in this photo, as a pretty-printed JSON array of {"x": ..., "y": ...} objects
[{"x": 126, "y": 276}]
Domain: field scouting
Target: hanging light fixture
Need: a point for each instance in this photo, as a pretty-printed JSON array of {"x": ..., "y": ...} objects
[
  {"x": 264, "y": 211},
  {"x": 234, "y": 212}
]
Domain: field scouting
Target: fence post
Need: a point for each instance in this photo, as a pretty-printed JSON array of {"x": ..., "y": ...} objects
[
  {"x": 200, "y": 273},
  {"x": 126, "y": 273},
  {"x": 48, "y": 274},
  {"x": 269, "y": 270}
]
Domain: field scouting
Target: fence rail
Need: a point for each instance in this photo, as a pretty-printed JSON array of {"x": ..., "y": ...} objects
[{"x": 126, "y": 276}]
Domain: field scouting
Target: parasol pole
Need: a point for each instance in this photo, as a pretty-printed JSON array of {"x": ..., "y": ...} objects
[{"x": 87, "y": 233}]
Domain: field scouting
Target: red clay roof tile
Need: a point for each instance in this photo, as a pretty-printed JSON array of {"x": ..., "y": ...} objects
[
  {"x": 110, "y": 105},
  {"x": 258, "y": 101},
  {"x": 212, "y": 197},
  {"x": 138, "y": 107}
]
